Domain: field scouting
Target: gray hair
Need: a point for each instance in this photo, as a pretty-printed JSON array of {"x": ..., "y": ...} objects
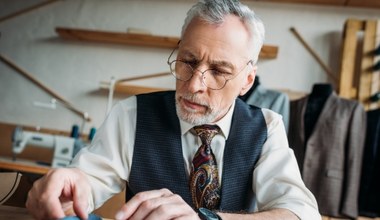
[{"x": 214, "y": 12}]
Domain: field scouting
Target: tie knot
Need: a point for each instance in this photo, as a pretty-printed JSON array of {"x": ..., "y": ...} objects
[{"x": 206, "y": 132}]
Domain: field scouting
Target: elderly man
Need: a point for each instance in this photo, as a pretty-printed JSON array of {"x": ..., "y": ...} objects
[{"x": 196, "y": 153}]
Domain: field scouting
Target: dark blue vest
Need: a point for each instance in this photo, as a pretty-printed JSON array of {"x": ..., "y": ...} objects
[{"x": 158, "y": 162}]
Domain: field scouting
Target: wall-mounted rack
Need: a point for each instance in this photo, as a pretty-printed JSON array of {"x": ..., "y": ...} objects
[
  {"x": 267, "y": 52},
  {"x": 358, "y": 78}
]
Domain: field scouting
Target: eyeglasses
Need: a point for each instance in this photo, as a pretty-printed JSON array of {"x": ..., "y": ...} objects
[{"x": 214, "y": 78}]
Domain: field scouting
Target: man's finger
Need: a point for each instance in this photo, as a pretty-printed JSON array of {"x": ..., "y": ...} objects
[
  {"x": 42, "y": 200},
  {"x": 53, "y": 210},
  {"x": 132, "y": 205},
  {"x": 172, "y": 207},
  {"x": 80, "y": 203},
  {"x": 156, "y": 205},
  {"x": 58, "y": 191}
]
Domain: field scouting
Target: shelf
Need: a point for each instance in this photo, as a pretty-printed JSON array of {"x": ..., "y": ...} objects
[
  {"x": 116, "y": 37},
  {"x": 358, "y": 79},
  {"x": 344, "y": 3},
  {"x": 23, "y": 166},
  {"x": 315, "y": 2},
  {"x": 131, "y": 89},
  {"x": 267, "y": 52}
]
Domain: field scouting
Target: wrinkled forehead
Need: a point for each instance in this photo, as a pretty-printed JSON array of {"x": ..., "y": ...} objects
[{"x": 224, "y": 41}]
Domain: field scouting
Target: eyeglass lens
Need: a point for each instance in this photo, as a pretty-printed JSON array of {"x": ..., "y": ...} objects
[{"x": 210, "y": 78}]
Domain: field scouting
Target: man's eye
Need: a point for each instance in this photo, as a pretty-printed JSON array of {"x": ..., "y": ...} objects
[
  {"x": 187, "y": 61},
  {"x": 217, "y": 72},
  {"x": 191, "y": 62}
]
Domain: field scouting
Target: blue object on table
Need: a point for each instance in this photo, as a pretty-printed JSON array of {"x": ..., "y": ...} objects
[
  {"x": 75, "y": 131},
  {"x": 92, "y": 134},
  {"x": 90, "y": 217}
]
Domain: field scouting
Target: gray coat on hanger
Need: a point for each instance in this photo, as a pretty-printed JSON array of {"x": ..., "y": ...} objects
[
  {"x": 271, "y": 99},
  {"x": 330, "y": 160}
]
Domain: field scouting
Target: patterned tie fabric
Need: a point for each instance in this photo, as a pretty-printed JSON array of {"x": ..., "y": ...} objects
[{"x": 204, "y": 184}]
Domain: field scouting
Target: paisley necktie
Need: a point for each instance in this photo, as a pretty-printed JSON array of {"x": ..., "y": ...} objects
[{"x": 204, "y": 183}]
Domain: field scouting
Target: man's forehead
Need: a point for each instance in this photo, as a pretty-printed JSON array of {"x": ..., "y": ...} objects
[
  {"x": 228, "y": 41},
  {"x": 226, "y": 60},
  {"x": 188, "y": 53}
]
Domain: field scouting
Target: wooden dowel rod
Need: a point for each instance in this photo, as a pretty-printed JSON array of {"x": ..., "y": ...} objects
[
  {"x": 143, "y": 77},
  {"x": 131, "y": 89},
  {"x": 314, "y": 54},
  {"x": 27, "y": 10},
  {"x": 45, "y": 88}
]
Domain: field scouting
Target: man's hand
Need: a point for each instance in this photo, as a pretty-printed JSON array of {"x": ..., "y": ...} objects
[
  {"x": 60, "y": 192},
  {"x": 156, "y": 204}
]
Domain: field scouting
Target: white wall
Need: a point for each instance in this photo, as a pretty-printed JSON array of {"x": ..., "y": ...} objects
[{"x": 75, "y": 69}]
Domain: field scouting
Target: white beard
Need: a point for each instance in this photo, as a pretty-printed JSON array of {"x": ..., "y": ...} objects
[{"x": 193, "y": 117}]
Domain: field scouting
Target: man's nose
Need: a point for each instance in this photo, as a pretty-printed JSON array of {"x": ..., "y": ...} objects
[{"x": 196, "y": 84}]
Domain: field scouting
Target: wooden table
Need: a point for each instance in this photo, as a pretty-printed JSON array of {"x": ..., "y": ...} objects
[
  {"x": 14, "y": 213},
  {"x": 20, "y": 165}
]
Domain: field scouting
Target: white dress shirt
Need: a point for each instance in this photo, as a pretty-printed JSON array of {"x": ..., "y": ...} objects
[{"x": 276, "y": 179}]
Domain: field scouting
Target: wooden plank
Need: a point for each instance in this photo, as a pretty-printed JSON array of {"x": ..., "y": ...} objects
[
  {"x": 154, "y": 75},
  {"x": 359, "y": 218},
  {"x": 344, "y": 3},
  {"x": 14, "y": 213},
  {"x": 363, "y": 3},
  {"x": 375, "y": 85},
  {"x": 118, "y": 38},
  {"x": 131, "y": 89},
  {"x": 22, "y": 166},
  {"x": 314, "y": 2},
  {"x": 365, "y": 81},
  {"x": 267, "y": 52},
  {"x": 347, "y": 69},
  {"x": 48, "y": 90},
  {"x": 324, "y": 66},
  {"x": 367, "y": 218}
]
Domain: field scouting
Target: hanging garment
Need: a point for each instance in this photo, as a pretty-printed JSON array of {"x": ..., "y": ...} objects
[
  {"x": 369, "y": 197},
  {"x": 330, "y": 160},
  {"x": 270, "y": 99}
]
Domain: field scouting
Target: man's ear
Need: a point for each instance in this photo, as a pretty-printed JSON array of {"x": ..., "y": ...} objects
[{"x": 249, "y": 81}]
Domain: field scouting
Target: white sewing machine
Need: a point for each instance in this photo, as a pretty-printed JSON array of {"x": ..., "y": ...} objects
[{"x": 63, "y": 146}]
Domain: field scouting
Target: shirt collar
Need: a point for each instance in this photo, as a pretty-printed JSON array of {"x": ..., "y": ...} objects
[{"x": 224, "y": 123}]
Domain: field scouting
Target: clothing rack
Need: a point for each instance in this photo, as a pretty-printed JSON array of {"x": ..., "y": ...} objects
[{"x": 358, "y": 78}]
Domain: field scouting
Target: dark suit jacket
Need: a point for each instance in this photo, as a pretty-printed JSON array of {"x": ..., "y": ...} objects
[
  {"x": 330, "y": 160},
  {"x": 369, "y": 198}
]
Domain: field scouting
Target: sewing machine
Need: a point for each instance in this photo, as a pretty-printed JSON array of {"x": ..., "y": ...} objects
[{"x": 63, "y": 146}]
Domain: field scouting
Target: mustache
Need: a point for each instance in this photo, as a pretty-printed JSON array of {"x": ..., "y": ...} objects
[{"x": 195, "y": 99}]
